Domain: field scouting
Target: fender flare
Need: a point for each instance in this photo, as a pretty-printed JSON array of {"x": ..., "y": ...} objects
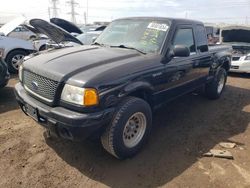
[{"x": 220, "y": 58}]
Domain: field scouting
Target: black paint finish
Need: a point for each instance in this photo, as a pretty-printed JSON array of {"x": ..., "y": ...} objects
[{"x": 117, "y": 73}]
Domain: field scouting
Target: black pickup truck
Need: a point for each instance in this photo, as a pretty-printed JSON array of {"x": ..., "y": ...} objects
[{"x": 111, "y": 87}]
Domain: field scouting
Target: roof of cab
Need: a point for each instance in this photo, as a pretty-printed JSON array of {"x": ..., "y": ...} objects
[{"x": 175, "y": 20}]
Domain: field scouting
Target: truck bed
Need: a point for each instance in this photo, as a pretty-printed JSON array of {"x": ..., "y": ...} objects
[{"x": 219, "y": 47}]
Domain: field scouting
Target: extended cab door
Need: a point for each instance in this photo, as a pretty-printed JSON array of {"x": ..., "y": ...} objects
[
  {"x": 187, "y": 68},
  {"x": 204, "y": 59},
  {"x": 183, "y": 72}
]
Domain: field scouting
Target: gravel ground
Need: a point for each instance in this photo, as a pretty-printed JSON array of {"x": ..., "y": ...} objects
[{"x": 183, "y": 130}]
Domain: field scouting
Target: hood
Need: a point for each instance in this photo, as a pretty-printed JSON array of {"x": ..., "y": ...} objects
[
  {"x": 10, "y": 26},
  {"x": 66, "y": 25},
  {"x": 62, "y": 64},
  {"x": 54, "y": 32},
  {"x": 235, "y": 34},
  {"x": 29, "y": 27}
]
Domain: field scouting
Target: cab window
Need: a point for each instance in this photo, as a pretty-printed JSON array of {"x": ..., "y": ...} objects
[
  {"x": 185, "y": 37},
  {"x": 201, "y": 39}
]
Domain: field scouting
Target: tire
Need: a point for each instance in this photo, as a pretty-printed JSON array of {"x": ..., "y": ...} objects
[
  {"x": 43, "y": 47},
  {"x": 33, "y": 37},
  {"x": 125, "y": 144},
  {"x": 214, "y": 89},
  {"x": 12, "y": 60}
]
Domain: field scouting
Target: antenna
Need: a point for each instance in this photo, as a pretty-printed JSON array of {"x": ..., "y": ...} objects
[{"x": 73, "y": 12}]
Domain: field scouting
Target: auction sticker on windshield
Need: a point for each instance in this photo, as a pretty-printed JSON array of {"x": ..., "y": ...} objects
[{"x": 157, "y": 26}]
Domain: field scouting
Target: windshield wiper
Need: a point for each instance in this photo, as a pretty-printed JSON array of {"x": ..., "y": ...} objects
[{"x": 128, "y": 47}]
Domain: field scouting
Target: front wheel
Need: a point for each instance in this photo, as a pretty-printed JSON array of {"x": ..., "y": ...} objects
[
  {"x": 14, "y": 59},
  {"x": 214, "y": 89},
  {"x": 129, "y": 129}
]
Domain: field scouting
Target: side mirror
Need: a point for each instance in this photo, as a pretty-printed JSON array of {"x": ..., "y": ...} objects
[{"x": 180, "y": 51}]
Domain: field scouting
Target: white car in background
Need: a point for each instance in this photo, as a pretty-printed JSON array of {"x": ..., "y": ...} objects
[
  {"x": 16, "y": 49},
  {"x": 238, "y": 37},
  {"x": 21, "y": 32},
  {"x": 241, "y": 64}
]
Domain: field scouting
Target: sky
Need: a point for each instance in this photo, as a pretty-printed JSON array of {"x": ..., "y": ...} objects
[{"x": 211, "y": 11}]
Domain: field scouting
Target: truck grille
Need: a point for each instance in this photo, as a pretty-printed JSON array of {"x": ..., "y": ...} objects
[{"x": 40, "y": 86}]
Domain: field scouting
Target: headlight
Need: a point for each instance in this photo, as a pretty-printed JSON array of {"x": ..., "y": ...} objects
[
  {"x": 20, "y": 73},
  {"x": 247, "y": 58},
  {"x": 80, "y": 96}
]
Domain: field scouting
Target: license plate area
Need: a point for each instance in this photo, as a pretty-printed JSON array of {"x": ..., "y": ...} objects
[{"x": 32, "y": 112}]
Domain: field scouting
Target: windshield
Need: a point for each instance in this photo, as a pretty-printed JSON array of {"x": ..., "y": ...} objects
[{"x": 146, "y": 36}]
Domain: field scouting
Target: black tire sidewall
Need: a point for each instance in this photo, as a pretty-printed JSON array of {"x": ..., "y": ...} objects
[
  {"x": 119, "y": 147},
  {"x": 211, "y": 89}
]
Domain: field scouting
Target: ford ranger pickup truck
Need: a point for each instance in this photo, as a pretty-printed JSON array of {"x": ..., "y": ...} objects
[{"x": 111, "y": 87}]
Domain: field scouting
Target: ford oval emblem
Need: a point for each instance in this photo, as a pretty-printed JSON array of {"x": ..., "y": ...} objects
[{"x": 34, "y": 85}]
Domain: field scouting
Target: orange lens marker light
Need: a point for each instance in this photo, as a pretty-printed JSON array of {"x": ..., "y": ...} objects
[{"x": 90, "y": 97}]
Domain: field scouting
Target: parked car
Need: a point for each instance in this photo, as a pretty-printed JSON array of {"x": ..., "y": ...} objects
[
  {"x": 241, "y": 64},
  {"x": 87, "y": 38},
  {"x": 111, "y": 88},
  {"x": 16, "y": 49},
  {"x": 239, "y": 38},
  {"x": 21, "y": 32},
  {"x": 57, "y": 34},
  {"x": 15, "y": 29},
  {"x": 90, "y": 28},
  {"x": 4, "y": 74},
  {"x": 66, "y": 25}
]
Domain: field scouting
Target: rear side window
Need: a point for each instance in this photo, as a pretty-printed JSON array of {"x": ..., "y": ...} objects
[
  {"x": 201, "y": 39},
  {"x": 185, "y": 37}
]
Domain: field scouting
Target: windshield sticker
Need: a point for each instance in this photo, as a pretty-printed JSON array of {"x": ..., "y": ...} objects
[{"x": 159, "y": 27}]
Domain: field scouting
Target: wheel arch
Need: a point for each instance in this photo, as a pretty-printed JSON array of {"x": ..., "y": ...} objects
[
  {"x": 22, "y": 49},
  {"x": 43, "y": 47},
  {"x": 142, "y": 90},
  {"x": 226, "y": 64},
  {"x": 223, "y": 59}
]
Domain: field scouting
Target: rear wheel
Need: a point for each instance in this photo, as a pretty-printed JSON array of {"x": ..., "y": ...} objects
[
  {"x": 14, "y": 59},
  {"x": 129, "y": 129},
  {"x": 214, "y": 89}
]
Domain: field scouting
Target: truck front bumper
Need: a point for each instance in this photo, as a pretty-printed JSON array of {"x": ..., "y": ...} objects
[{"x": 60, "y": 121}]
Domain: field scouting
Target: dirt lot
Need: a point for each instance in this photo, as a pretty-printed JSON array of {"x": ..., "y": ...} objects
[{"x": 184, "y": 130}]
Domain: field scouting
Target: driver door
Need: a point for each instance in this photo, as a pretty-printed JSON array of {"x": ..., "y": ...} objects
[{"x": 186, "y": 73}]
